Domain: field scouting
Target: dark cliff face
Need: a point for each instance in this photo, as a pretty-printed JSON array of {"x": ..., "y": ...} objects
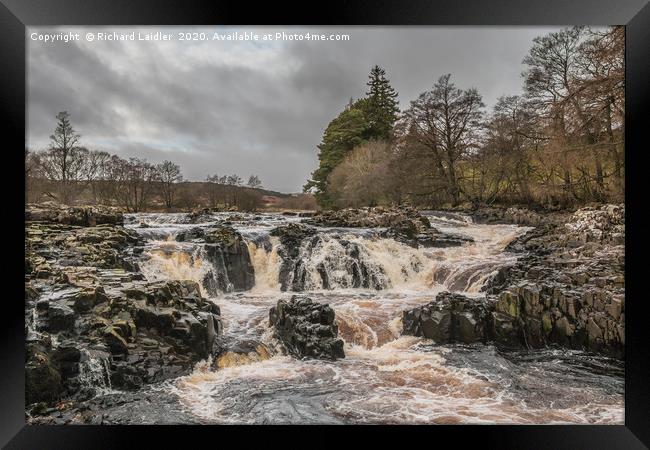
[
  {"x": 228, "y": 254},
  {"x": 569, "y": 286},
  {"x": 291, "y": 237},
  {"x": 306, "y": 328}
]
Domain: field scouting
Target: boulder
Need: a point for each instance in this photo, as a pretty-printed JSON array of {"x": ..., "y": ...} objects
[
  {"x": 306, "y": 329},
  {"x": 232, "y": 268},
  {"x": 450, "y": 318},
  {"x": 199, "y": 216},
  {"x": 174, "y": 310},
  {"x": 60, "y": 317},
  {"x": 42, "y": 379},
  {"x": 191, "y": 234}
]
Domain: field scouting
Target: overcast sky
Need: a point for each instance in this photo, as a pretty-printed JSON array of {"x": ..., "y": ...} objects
[{"x": 248, "y": 107}]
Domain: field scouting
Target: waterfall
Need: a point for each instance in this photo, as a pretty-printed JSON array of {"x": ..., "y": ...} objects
[
  {"x": 185, "y": 261},
  {"x": 340, "y": 260},
  {"x": 266, "y": 263},
  {"x": 328, "y": 262},
  {"x": 368, "y": 281},
  {"x": 94, "y": 372}
]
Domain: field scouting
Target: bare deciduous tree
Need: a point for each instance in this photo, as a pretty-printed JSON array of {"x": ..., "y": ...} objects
[
  {"x": 254, "y": 182},
  {"x": 63, "y": 162},
  {"x": 446, "y": 120},
  {"x": 169, "y": 174}
]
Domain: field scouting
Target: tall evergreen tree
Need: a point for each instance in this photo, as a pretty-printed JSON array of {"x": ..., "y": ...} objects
[
  {"x": 382, "y": 109},
  {"x": 345, "y": 132},
  {"x": 369, "y": 118}
]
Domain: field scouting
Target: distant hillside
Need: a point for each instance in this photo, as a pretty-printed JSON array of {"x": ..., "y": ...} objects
[{"x": 187, "y": 195}]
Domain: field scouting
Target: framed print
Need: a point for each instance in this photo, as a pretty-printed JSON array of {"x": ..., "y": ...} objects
[{"x": 403, "y": 218}]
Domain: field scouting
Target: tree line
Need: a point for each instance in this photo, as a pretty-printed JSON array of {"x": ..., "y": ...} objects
[
  {"x": 557, "y": 145},
  {"x": 67, "y": 172}
]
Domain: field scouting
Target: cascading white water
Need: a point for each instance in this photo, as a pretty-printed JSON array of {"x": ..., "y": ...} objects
[
  {"x": 94, "y": 372},
  {"x": 266, "y": 264},
  {"x": 385, "y": 377},
  {"x": 175, "y": 261},
  {"x": 329, "y": 262},
  {"x": 335, "y": 257}
]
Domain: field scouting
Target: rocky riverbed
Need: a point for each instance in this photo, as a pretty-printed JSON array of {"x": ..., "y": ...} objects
[
  {"x": 377, "y": 315},
  {"x": 568, "y": 288}
]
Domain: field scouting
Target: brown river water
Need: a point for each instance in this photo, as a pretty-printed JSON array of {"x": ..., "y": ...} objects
[{"x": 385, "y": 377}]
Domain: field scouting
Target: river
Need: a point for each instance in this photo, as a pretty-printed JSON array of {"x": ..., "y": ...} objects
[{"x": 385, "y": 377}]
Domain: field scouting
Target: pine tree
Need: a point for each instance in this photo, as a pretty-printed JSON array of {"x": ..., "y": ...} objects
[
  {"x": 382, "y": 109},
  {"x": 348, "y": 130},
  {"x": 369, "y": 118}
]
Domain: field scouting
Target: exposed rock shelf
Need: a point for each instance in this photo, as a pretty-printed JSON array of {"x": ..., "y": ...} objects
[
  {"x": 93, "y": 322},
  {"x": 568, "y": 288},
  {"x": 450, "y": 318}
]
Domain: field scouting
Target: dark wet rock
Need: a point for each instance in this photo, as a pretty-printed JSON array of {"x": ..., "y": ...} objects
[
  {"x": 541, "y": 314},
  {"x": 370, "y": 218},
  {"x": 568, "y": 287},
  {"x": 306, "y": 328},
  {"x": 67, "y": 356},
  {"x": 42, "y": 377},
  {"x": 191, "y": 234},
  {"x": 85, "y": 216},
  {"x": 199, "y": 216},
  {"x": 450, "y": 318},
  {"x": 86, "y": 299},
  {"x": 228, "y": 253},
  {"x": 54, "y": 249},
  {"x": 116, "y": 343},
  {"x": 513, "y": 215},
  {"x": 175, "y": 311},
  {"x": 60, "y": 317},
  {"x": 145, "y": 406},
  {"x": 93, "y": 321},
  {"x": 146, "y": 333},
  {"x": 408, "y": 233},
  {"x": 537, "y": 308},
  {"x": 291, "y": 237}
]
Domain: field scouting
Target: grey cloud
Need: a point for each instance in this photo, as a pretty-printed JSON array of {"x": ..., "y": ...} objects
[{"x": 233, "y": 108}]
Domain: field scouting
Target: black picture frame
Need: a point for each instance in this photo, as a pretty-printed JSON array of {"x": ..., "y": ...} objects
[{"x": 15, "y": 15}]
